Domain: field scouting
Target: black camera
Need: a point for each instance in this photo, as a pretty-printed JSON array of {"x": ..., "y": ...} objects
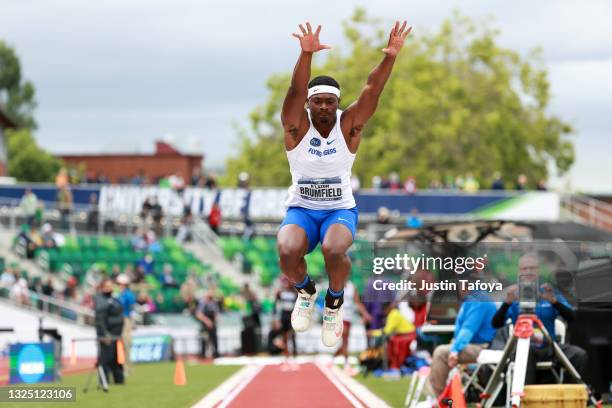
[{"x": 528, "y": 294}]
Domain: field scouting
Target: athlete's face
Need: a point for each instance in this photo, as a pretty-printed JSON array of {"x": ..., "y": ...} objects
[{"x": 323, "y": 108}]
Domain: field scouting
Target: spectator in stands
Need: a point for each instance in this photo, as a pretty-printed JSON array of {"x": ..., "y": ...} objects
[
  {"x": 400, "y": 332},
  {"x": 138, "y": 274},
  {"x": 542, "y": 185},
  {"x": 139, "y": 179},
  {"x": 166, "y": 279},
  {"x": 145, "y": 210},
  {"x": 498, "y": 182},
  {"x": 473, "y": 332},
  {"x": 184, "y": 231},
  {"x": 101, "y": 178},
  {"x": 61, "y": 180},
  {"x": 128, "y": 301},
  {"x": 410, "y": 185},
  {"x": 551, "y": 304},
  {"x": 93, "y": 213},
  {"x": 8, "y": 278},
  {"x": 471, "y": 185},
  {"x": 176, "y": 182},
  {"x": 64, "y": 205},
  {"x": 147, "y": 307},
  {"x": 414, "y": 220},
  {"x": 211, "y": 182},
  {"x": 24, "y": 244},
  {"x": 207, "y": 312},
  {"x": 20, "y": 293},
  {"x": 196, "y": 176},
  {"x": 115, "y": 272},
  {"x": 394, "y": 181},
  {"x": 521, "y": 183},
  {"x": 147, "y": 263},
  {"x": 383, "y": 215},
  {"x": 47, "y": 288},
  {"x": 376, "y": 182},
  {"x": 29, "y": 205},
  {"x": 214, "y": 217},
  {"x": 157, "y": 214},
  {"x": 48, "y": 236},
  {"x": 243, "y": 180},
  {"x": 70, "y": 291},
  {"x": 109, "y": 325}
]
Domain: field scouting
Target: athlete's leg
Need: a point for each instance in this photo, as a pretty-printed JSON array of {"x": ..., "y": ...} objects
[
  {"x": 336, "y": 243},
  {"x": 292, "y": 246}
]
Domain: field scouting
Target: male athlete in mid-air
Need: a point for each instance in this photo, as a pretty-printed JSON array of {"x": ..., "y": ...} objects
[{"x": 321, "y": 142}]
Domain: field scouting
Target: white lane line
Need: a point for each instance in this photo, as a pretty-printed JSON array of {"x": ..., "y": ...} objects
[
  {"x": 347, "y": 394},
  {"x": 230, "y": 397},
  {"x": 239, "y": 379},
  {"x": 359, "y": 390}
]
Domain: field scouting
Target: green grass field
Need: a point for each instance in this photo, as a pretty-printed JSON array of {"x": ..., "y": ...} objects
[
  {"x": 148, "y": 385},
  {"x": 392, "y": 391}
]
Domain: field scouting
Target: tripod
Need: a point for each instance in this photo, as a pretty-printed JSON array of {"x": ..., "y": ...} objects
[
  {"x": 519, "y": 343},
  {"x": 99, "y": 370}
]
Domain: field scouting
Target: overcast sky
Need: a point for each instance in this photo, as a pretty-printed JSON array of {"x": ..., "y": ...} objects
[{"x": 115, "y": 75}]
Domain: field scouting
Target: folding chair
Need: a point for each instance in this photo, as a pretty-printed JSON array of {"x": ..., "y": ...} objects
[{"x": 557, "y": 372}]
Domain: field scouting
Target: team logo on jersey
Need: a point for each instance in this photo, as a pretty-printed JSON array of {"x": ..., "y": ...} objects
[{"x": 315, "y": 142}]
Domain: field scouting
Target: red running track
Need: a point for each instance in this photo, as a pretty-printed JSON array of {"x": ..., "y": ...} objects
[{"x": 306, "y": 387}]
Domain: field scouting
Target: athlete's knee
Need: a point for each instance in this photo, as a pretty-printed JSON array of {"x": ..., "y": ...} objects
[
  {"x": 290, "y": 251},
  {"x": 332, "y": 251}
]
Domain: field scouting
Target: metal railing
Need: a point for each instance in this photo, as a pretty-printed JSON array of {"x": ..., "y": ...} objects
[
  {"x": 51, "y": 306},
  {"x": 587, "y": 210}
]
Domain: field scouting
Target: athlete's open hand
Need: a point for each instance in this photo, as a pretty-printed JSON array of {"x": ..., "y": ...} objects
[
  {"x": 396, "y": 39},
  {"x": 309, "y": 41}
]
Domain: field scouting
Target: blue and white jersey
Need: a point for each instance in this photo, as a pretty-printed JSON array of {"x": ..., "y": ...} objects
[{"x": 321, "y": 170}]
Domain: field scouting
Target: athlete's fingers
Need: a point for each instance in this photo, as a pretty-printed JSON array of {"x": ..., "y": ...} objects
[
  {"x": 403, "y": 27},
  {"x": 299, "y": 37},
  {"x": 303, "y": 29},
  {"x": 318, "y": 30},
  {"x": 309, "y": 27},
  {"x": 324, "y": 47},
  {"x": 396, "y": 27},
  {"x": 407, "y": 32}
]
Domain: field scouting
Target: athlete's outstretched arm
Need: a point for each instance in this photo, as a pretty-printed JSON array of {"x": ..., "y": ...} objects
[
  {"x": 293, "y": 115},
  {"x": 360, "y": 111}
]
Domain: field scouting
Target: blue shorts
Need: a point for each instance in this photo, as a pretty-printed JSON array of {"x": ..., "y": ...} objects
[{"x": 317, "y": 222}]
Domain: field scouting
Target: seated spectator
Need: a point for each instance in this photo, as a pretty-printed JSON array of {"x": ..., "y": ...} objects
[
  {"x": 8, "y": 278},
  {"x": 48, "y": 237},
  {"x": 70, "y": 291},
  {"x": 20, "y": 293},
  {"x": 115, "y": 272},
  {"x": 138, "y": 275},
  {"x": 214, "y": 217},
  {"x": 414, "y": 220},
  {"x": 147, "y": 263},
  {"x": 550, "y": 305},
  {"x": 146, "y": 307},
  {"x": 400, "y": 333},
  {"x": 47, "y": 288},
  {"x": 167, "y": 280},
  {"x": 473, "y": 332}
]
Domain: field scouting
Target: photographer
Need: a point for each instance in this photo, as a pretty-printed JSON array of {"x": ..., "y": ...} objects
[
  {"x": 550, "y": 304},
  {"x": 109, "y": 325}
]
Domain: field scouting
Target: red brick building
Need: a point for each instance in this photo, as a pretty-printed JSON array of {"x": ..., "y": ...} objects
[{"x": 165, "y": 161}]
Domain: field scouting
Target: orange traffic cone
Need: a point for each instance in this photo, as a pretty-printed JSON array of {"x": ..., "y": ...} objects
[
  {"x": 453, "y": 392},
  {"x": 73, "y": 357},
  {"x": 179, "y": 373},
  {"x": 120, "y": 353}
]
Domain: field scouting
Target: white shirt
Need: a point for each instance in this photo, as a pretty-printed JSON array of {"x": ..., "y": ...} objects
[{"x": 321, "y": 170}]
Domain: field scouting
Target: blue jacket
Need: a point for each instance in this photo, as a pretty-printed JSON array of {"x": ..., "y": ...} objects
[
  {"x": 545, "y": 311},
  {"x": 473, "y": 324},
  {"x": 127, "y": 300}
]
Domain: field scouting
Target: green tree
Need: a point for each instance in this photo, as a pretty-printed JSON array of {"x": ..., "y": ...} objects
[
  {"x": 27, "y": 161},
  {"x": 16, "y": 95},
  {"x": 456, "y": 103}
]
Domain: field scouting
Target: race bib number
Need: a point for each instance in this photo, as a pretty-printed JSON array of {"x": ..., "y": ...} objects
[{"x": 321, "y": 189}]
